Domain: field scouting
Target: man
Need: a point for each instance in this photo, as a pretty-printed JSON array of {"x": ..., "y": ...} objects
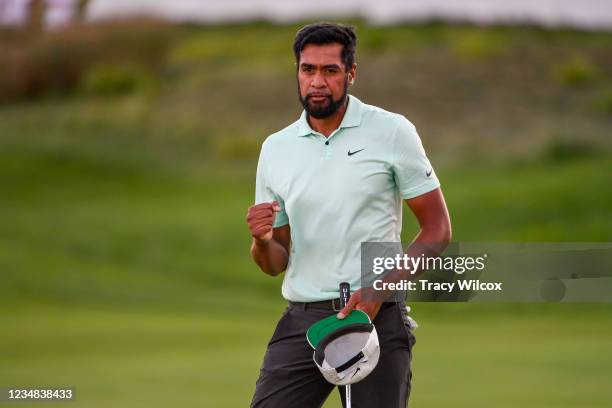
[{"x": 331, "y": 180}]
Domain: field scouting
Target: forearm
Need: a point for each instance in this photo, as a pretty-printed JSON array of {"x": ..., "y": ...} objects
[
  {"x": 271, "y": 257},
  {"x": 429, "y": 242}
]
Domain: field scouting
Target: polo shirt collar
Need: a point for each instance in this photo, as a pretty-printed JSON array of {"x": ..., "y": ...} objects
[{"x": 352, "y": 117}]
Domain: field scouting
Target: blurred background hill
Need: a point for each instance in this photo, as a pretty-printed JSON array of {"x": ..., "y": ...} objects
[{"x": 127, "y": 160}]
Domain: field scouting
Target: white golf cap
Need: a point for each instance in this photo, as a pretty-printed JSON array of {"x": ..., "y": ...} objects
[{"x": 347, "y": 350}]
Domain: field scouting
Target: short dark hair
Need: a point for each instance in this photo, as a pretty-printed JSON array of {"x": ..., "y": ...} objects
[{"x": 327, "y": 33}]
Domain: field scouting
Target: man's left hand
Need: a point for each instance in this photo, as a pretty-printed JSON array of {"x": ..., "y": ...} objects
[{"x": 371, "y": 308}]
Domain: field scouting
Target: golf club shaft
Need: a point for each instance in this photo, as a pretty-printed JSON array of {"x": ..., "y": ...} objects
[
  {"x": 348, "y": 395},
  {"x": 345, "y": 293}
]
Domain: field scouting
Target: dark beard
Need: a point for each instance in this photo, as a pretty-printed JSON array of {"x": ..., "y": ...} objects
[{"x": 322, "y": 111}]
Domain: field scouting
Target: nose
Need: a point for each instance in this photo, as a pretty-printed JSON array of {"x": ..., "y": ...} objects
[{"x": 317, "y": 80}]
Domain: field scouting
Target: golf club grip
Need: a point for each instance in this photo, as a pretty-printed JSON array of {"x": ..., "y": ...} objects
[{"x": 345, "y": 293}]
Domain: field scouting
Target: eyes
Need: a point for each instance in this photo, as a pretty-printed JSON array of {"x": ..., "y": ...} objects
[{"x": 310, "y": 69}]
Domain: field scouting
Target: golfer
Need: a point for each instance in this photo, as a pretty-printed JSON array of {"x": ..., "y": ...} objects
[{"x": 333, "y": 179}]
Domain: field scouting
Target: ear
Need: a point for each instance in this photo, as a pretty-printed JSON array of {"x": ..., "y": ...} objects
[{"x": 351, "y": 74}]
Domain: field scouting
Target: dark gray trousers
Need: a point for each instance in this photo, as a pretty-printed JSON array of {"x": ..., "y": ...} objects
[{"x": 290, "y": 378}]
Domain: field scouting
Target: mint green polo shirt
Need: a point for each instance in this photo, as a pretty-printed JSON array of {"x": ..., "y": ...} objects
[{"x": 339, "y": 191}]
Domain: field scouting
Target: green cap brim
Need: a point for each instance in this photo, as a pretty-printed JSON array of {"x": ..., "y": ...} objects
[{"x": 322, "y": 328}]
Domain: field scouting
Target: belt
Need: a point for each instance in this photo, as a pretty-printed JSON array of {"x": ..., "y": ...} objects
[{"x": 331, "y": 305}]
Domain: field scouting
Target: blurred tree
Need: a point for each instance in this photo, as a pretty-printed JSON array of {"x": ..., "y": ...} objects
[
  {"x": 80, "y": 9},
  {"x": 36, "y": 15}
]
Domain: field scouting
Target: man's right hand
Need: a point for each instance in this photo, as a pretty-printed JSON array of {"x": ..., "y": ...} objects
[{"x": 260, "y": 219}]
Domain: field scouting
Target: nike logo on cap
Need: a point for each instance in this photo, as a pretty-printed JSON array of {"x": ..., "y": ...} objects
[
  {"x": 355, "y": 152},
  {"x": 428, "y": 173}
]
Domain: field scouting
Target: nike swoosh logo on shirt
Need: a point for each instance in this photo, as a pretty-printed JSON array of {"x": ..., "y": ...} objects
[
  {"x": 355, "y": 152},
  {"x": 428, "y": 173}
]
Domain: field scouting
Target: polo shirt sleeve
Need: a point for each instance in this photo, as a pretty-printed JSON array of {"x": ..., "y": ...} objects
[
  {"x": 264, "y": 192},
  {"x": 413, "y": 173}
]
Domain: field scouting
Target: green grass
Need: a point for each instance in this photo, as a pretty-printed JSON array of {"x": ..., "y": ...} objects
[
  {"x": 541, "y": 356},
  {"x": 119, "y": 358},
  {"x": 130, "y": 280},
  {"x": 75, "y": 226},
  {"x": 540, "y": 360}
]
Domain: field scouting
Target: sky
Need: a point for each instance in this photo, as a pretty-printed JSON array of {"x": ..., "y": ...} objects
[{"x": 14, "y": 11}]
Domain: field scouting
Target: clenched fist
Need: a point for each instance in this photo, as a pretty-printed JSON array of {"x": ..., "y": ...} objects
[{"x": 260, "y": 219}]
